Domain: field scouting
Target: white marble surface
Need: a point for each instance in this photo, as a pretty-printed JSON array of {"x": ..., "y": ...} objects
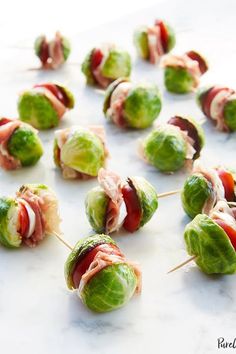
[{"x": 184, "y": 312}]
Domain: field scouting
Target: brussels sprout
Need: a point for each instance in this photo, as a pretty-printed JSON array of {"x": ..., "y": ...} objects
[
  {"x": 9, "y": 237},
  {"x": 206, "y": 240},
  {"x": 81, "y": 248},
  {"x": 116, "y": 63},
  {"x": 66, "y": 47},
  {"x": 165, "y": 148},
  {"x": 142, "y": 106},
  {"x": 194, "y": 194},
  {"x": 70, "y": 100},
  {"x": 230, "y": 114},
  {"x": 147, "y": 197},
  {"x": 201, "y": 92},
  {"x": 96, "y": 204},
  {"x": 141, "y": 103},
  {"x": 36, "y": 109},
  {"x": 38, "y": 43},
  {"x": 108, "y": 289},
  {"x": 25, "y": 145},
  {"x": 87, "y": 70},
  {"x": 84, "y": 152},
  {"x": 141, "y": 42},
  {"x": 178, "y": 80}
]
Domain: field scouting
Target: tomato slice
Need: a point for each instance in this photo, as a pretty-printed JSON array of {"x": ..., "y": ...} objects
[
  {"x": 23, "y": 220},
  {"x": 201, "y": 62},
  {"x": 231, "y": 233},
  {"x": 208, "y": 98},
  {"x": 96, "y": 58},
  {"x": 228, "y": 182},
  {"x": 133, "y": 207},
  {"x": 84, "y": 264},
  {"x": 55, "y": 90},
  {"x": 44, "y": 52},
  {"x": 4, "y": 120},
  {"x": 164, "y": 34}
]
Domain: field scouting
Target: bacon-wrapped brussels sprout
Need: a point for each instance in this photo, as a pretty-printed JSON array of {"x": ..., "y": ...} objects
[
  {"x": 80, "y": 152},
  {"x": 218, "y": 103},
  {"x": 19, "y": 144},
  {"x": 172, "y": 144},
  {"x": 52, "y": 54},
  {"x": 131, "y": 105},
  {"x": 212, "y": 240},
  {"x": 29, "y": 217},
  {"x": 182, "y": 73},
  {"x": 105, "y": 64},
  {"x": 115, "y": 203},
  {"x": 205, "y": 187},
  {"x": 44, "y": 105},
  {"x": 152, "y": 42},
  {"x": 104, "y": 279}
]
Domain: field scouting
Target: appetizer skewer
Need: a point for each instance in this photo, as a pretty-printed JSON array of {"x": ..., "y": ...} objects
[
  {"x": 218, "y": 103},
  {"x": 52, "y": 54},
  {"x": 45, "y": 104},
  {"x": 152, "y": 42},
  {"x": 115, "y": 204},
  {"x": 105, "y": 64},
  {"x": 131, "y": 105},
  {"x": 29, "y": 217},
  {"x": 102, "y": 276},
  {"x": 205, "y": 187},
  {"x": 80, "y": 152},
  {"x": 211, "y": 241},
  {"x": 170, "y": 146},
  {"x": 182, "y": 73},
  {"x": 19, "y": 144}
]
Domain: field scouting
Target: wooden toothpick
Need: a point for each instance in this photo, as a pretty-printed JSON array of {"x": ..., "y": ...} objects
[{"x": 182, "y": 264}]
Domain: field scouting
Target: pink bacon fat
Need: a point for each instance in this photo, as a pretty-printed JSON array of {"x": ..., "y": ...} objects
[
  {"x": 115, "y": 111},
  {"x": 112, "y": 186},
  {"x": 51, "y": 53},
  {"x": 7, "y": 128},
  {"x": 213, "y": 103}
]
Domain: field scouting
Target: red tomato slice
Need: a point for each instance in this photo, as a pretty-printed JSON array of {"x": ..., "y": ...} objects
[
  {"x": 96, "y": 58},
  {"x": 134, "y": 211},
  {"x": 4, "y": 121},
  {"x": 84, "y": 264},
  {"x": 231, "y": 233},
  {"x": 201, "y": 62},
  {"x": 23, "y": 220},
  {"x": 228, "y": 183},
  {"x": 55, "y": 90},
  {"x": 164, "y": 34},
  {"x": 207, "y": 99},
  {"x": 44, "y": 52}
]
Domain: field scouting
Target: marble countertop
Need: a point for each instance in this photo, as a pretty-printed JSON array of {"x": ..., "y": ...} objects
[{"x": 184, "y": 312}]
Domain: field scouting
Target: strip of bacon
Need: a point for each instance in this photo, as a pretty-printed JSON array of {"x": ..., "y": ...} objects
[
  {"x": 118, "y": 96},
  {"x": 35, "y": 202},
  {"x": 103, "y": 260},
  {"x": 7, "y": 161},
  {"x": 56, "y": 52},
  {"x": 98, "y": 58},
  {"x": 57, "y": 105},
  {"x": 156, "y": 49},
  {"x": 112, "y": 186}
]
